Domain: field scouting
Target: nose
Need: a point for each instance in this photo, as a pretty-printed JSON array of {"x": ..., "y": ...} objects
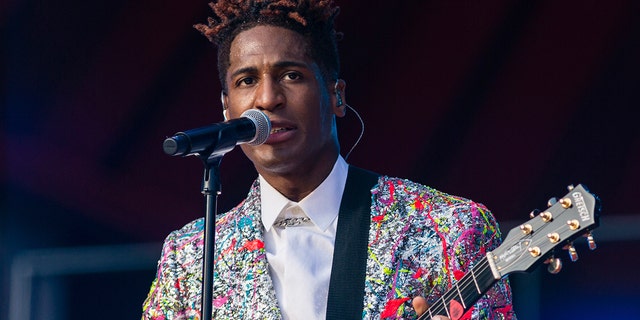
[{"x": 269, "y": 95}]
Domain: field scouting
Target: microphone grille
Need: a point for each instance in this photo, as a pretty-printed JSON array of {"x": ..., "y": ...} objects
[{"x": 263, "y": 125}]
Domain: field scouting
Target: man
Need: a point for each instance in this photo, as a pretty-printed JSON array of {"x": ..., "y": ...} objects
[{"x": 315, "y": 238}]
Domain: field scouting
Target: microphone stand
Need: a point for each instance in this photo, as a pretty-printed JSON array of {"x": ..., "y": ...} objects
[
  {"x": 219, "y": 144},
  {"x": 211, "y": 188}
]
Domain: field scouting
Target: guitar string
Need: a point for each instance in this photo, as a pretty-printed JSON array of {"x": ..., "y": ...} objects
[
  {"x": 464, "y": 285},
  {"x": 468, "y": 286},
  {"x": 536, "y": 241},
  {"x": 439, "y": 308}
]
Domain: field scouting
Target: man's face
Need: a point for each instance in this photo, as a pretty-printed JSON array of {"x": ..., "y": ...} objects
[{"x": 271, "y": 71}]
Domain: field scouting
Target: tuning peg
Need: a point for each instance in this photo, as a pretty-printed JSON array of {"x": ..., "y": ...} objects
[
  {"x": 592, "y": 243},
  {"x": 554, "y": 237},
  {"x": 573, "y": 254},
  {"x": 573, "y": 224},
  {"x": 552, "y": 201},
  {"x": 533, "y": 213},
  {"x": 555, "y": 265},
  {"x": 566, "y": 203},
  {"x": 546, "y": 216},
  {"x": 534, "y": 251},
  {"x": 526, "y": 228},
  {"x": 570, "y": 187}
]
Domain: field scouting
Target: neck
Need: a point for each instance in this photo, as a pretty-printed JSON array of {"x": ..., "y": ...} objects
[
  {"x": 295, "y": 185},
  {"x": 459, "y": 299}
]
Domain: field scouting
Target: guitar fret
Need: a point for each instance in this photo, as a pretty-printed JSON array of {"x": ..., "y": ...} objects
[
  {"x": 444, "y": 304},
  {"x": 464, "y": 291},
  {"x": 460, "y": 295},
  {"x": 475, "y": 282}
]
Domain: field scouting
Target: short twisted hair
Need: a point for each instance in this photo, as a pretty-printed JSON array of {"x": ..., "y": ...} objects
[{"x": 313, "y": 19}]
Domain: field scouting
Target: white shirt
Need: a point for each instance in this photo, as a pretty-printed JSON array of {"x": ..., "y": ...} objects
[{"x": 300, "y": 257}]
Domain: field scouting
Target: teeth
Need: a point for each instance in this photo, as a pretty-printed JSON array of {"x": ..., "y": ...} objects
[{"x": 276, "y": 130}]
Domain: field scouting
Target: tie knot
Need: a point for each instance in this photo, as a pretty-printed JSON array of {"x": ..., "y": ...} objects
[
  {"x": 292, "y": 215},
  {"x": 291, "y": 222}
]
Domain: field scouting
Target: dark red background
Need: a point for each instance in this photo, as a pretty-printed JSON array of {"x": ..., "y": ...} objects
[{"x": 504, "y": 102}]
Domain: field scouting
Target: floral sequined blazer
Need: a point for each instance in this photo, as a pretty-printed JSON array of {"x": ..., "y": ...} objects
[{"x": 420, "y": 241}]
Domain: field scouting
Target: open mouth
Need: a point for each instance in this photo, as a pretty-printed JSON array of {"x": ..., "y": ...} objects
[{"x": 279, "y": 130}]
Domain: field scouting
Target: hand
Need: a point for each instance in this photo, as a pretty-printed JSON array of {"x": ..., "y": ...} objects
[{"x": 421, "y": 306}]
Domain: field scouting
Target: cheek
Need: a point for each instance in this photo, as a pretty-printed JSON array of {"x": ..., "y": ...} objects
[
  {"x": 237, "y": 106},
  {"x": 320, "y": 122}
]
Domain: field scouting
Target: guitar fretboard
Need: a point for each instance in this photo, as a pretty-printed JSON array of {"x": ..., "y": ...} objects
[{"x": 464, "y": 293}]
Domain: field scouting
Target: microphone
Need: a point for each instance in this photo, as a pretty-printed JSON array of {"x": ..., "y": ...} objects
[{"x": 253, "y": 127}]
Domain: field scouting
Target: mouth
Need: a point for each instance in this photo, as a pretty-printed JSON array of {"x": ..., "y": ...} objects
[
  {"x": 280, "y": 129},
  {"x": 281, "y": 132}
]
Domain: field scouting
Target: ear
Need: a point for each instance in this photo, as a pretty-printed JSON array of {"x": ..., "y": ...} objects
[
  {"x": 224, "y": 99},
  {"x": 339, "y": 100}
]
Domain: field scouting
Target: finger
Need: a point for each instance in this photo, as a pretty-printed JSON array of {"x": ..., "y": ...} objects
[{"x": 420, "y": 305}]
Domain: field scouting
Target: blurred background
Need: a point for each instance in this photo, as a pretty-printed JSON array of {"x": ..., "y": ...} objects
[{"x": 504, "y": 102}]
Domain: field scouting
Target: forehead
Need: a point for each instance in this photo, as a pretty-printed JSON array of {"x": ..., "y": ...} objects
[{"x": 267, "y": 43}]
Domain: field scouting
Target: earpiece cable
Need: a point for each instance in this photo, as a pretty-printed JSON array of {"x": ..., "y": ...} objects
[{"x": 361, "y": 131}]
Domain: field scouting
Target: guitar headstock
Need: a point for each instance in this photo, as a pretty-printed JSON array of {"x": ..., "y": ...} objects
[{"x": 539, "y": 239}]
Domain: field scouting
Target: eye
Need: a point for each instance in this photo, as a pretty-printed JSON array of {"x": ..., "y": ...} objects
[
  {"x": 292, "y": 75},
  {"x": 247, "y": 81}
]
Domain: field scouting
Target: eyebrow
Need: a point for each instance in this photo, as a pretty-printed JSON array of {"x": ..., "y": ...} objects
[{"x": 277, "y": 65}]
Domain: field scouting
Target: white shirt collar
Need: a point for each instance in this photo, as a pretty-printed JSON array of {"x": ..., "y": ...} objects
[{"x": 321, "y": 205}]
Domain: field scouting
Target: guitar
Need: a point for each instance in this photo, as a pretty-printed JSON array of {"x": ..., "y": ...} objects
[{"x": 535, "y": 242}]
